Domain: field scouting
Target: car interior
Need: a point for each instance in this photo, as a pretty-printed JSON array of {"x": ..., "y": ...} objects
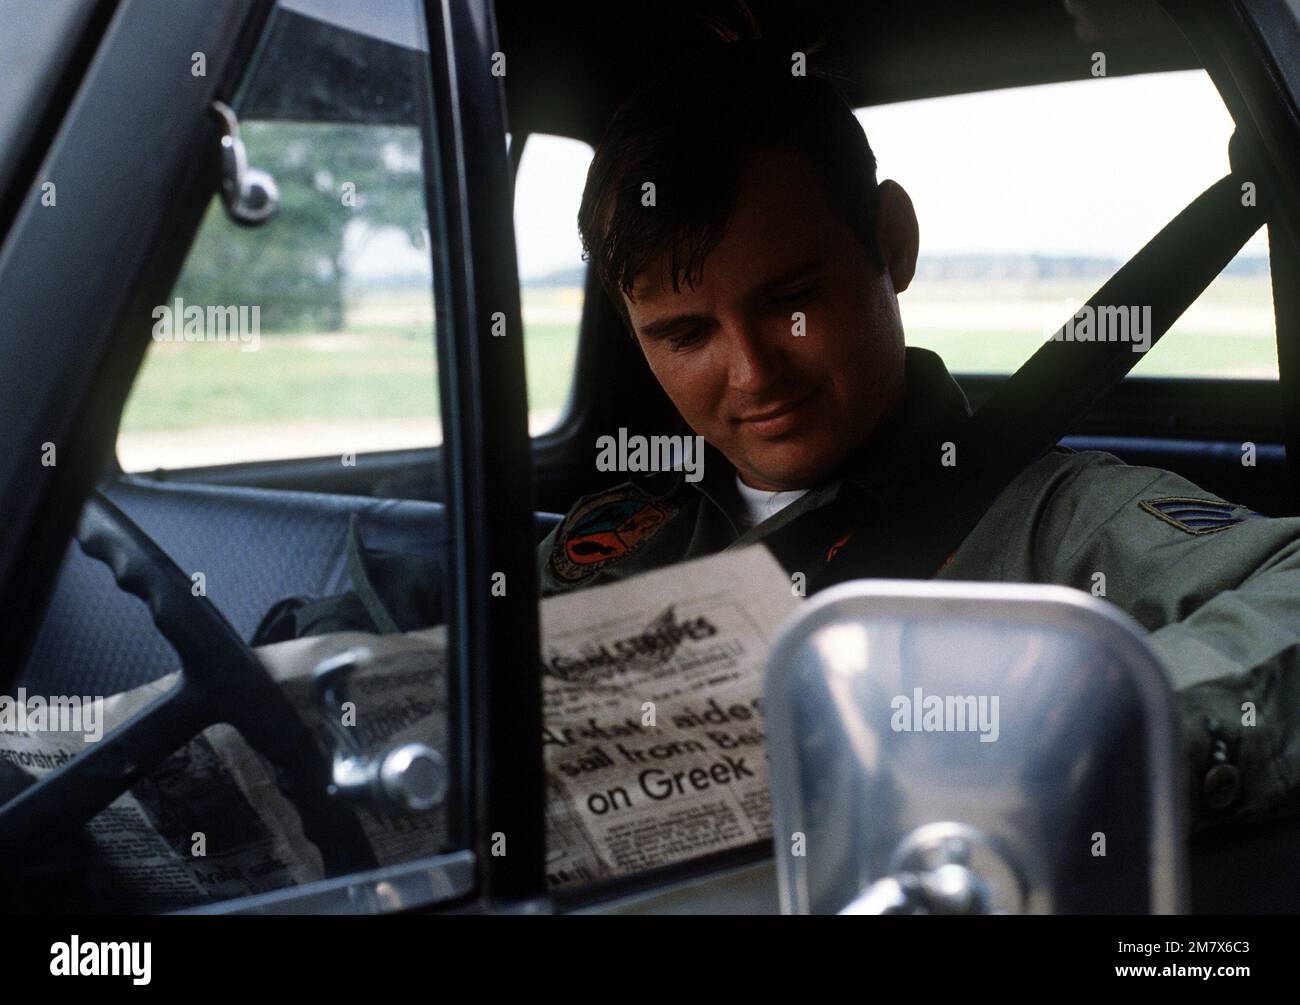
[{"x": 267, "y": 530}]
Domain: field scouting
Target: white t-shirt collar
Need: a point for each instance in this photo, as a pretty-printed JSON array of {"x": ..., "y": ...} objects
[{"x": 760, "y": 504}]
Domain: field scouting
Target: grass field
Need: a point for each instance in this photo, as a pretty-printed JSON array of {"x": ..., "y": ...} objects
[
  {"x": 992, "y": 327},
  {"x": 373, "y": 385},
  {"x": 316, "y": 377}
]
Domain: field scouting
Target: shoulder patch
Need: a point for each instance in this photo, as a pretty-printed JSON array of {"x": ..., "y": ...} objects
[
  {"x": 1197, "y": 516},
  {"x": 607, "y": 528}
]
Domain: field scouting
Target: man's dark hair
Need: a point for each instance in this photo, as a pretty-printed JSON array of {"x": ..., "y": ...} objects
[{"x": 690, "y": 131}]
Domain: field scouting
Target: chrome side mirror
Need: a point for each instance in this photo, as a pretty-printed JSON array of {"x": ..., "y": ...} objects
[{"x": 941, "y": 747}]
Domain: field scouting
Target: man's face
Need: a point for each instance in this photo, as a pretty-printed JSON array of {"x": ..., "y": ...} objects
[{"x": 785, "y": 409}]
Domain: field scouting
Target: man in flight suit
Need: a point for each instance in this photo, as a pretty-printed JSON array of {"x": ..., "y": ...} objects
[{"x": 733, "y": 214}]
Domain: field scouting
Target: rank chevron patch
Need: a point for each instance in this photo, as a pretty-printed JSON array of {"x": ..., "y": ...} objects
[{"x": 1197, "y": 516}]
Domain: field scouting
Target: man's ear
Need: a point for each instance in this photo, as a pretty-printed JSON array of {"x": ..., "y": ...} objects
[{"x": 897, "y": 233}]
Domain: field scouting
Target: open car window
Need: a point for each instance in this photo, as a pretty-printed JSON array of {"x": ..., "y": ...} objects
[
  {"x": 1030, "y": 198},
  {"x": 312, "y": 334},
  {"x": 321, "y": 339},
  {"x": 332, "y": 347},
  {"x": 548, "y": 190}
]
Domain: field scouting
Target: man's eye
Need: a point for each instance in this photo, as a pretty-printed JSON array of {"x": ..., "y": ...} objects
[{"x": 690, "y": 338}]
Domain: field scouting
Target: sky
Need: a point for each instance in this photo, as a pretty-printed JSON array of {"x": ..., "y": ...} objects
[
  {"x": 1086, "y": 167},
  {"x": 1091, "y": 167}
]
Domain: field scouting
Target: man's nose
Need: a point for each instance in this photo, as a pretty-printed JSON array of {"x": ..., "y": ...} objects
[{"x": 757, "y": 359}]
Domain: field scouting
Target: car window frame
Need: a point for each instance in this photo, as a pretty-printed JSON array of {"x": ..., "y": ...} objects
[{"x": 493, "y": 646}]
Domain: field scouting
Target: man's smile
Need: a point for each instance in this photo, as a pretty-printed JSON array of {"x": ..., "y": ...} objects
[{"x": 777, "y": 420}]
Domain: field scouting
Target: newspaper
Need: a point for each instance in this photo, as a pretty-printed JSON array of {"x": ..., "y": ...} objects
[
  {"x": 186, "y": 834},
  {"x": 652, "y": 742},
  {"x": 653, "y": 715}
]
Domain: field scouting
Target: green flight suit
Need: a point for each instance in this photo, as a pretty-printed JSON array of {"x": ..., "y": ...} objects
[{"x": 1216, "y": 585}]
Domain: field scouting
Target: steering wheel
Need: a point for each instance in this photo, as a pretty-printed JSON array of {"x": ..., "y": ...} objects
[{"x": 221, "y": 680}]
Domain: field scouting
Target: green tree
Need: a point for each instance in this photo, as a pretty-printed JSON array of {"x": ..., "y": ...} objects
[{"x": 333, "y": 180}]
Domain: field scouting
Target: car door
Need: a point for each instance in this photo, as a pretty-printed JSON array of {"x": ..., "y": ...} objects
[{"x": 135, "y": 160}]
